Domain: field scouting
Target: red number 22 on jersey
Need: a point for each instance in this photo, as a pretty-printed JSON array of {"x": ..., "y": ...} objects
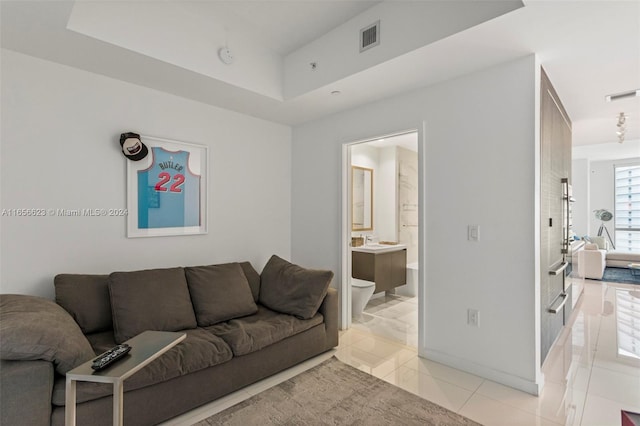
[{"x": 165, "y": 177}]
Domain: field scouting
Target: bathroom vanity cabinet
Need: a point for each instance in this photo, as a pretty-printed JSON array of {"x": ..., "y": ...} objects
[{"x": 388, "y": 269}]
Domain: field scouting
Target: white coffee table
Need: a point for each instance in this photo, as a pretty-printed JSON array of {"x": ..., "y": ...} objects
[{"x": 145, "y": 347}]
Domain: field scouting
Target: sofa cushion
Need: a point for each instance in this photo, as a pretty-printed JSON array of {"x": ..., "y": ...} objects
[
  {"x": 291, "y": 289},
  {"x": 101, "y": 341},
  {"x": 266, "y": 327},
  {"x": 624, "y": 256},
  {"x": 154, "y": 299},
  {"x": 198, "y": 351},
  {"x": 33, "y": 328},
  {"x": 219, "y": 293},
  {"x": 253, "y": 278},
  {"x": 86, "y": 298},
  {"x": 602, "y": 243}
]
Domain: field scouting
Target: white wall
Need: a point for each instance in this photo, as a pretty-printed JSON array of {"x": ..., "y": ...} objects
[
  {"x": 480, "y": 169},
  {"x": 60, "y": 130},
  {"x": 601, "y": 192},
  {"x": 580, "y": 209}
]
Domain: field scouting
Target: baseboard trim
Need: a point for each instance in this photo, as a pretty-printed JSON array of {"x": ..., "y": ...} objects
[{"x": 485, "y": 372}]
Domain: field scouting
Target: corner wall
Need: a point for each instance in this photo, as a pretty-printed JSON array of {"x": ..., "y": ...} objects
[
  {"x": 480, "y": 133},
  {"x": 60, "y": 130},
  {"x": 580, "y": 210}
]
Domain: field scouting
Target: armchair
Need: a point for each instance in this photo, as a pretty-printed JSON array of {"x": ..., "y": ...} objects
[{"x": 593, "y": 261}]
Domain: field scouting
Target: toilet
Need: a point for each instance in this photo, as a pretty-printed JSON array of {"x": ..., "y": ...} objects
[
  {"x": 411, "y": 288},
  {"x": 361, "y": 292}
]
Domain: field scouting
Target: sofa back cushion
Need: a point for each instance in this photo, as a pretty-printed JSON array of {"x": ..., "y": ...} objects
[
  {"x": 253, "y": 278},
  {"x": 33, "y": 328},
  {"x": 86, "y": 298},
  {"x": 154, "y": 299},
  {"x": 291, "y": 289},
  {"x": 602, "y": 243},
  {"x": 219, "y": 293}
]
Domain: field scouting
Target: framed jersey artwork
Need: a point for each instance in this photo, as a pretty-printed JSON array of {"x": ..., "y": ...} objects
[{"x": 167, "y": 190}]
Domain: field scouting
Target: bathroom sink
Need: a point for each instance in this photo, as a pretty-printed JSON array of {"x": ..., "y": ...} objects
[{"x": 378, "y": 248}]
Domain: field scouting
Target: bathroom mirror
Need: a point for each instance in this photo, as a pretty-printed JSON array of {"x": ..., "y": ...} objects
[{"x": 361, "y": 199}]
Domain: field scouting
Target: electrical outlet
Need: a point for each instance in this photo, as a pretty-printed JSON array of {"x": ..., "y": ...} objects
[
  {"x": 473, "y": 317},
  {"x": 473, "y": 233}
]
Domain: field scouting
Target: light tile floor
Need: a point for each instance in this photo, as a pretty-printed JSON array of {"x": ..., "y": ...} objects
[
  {"x": 587, "y": 382},
  {"x": 391, "y": 316}
]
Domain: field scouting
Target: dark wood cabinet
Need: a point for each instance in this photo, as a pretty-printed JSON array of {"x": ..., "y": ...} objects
[
  {"x": 555, "y": 175},
  {"x": 388, "y": 270}
]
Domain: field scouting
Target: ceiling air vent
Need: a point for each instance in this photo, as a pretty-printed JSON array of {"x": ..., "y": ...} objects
[{"x": 370, "y": 36}]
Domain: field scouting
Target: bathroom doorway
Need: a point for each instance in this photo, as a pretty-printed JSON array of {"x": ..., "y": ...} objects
[{"x": 382, "y": 195}]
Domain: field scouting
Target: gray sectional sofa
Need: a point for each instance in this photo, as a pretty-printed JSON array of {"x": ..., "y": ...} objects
[{"x": 241, "y": 327}]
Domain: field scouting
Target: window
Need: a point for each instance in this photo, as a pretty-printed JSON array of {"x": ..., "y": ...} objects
[{"x": 627, "y": 211}]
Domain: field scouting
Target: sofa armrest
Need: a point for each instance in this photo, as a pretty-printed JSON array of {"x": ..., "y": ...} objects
[
  {"x": 592, "y": 263},
  {"x": 25, "y": 392},
  {"x": 329, "y": 310}
]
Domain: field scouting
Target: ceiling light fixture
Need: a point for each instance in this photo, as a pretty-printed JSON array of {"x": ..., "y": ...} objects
[
  {"x": 622, "y": 127},
  {"x": 623, "y": 95},
  {"x": 224, "y": 53}
]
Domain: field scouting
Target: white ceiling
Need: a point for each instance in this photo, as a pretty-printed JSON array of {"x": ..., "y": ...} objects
[
  {"x": 284, "y": 26},
  {"x": 588, "y": 48}
]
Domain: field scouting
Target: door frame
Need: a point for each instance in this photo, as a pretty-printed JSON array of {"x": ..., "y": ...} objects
[{"x": 345, "y": 240}]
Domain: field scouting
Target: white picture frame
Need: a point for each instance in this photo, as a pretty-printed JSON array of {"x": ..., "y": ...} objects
[{"x": 174, "y": 178}]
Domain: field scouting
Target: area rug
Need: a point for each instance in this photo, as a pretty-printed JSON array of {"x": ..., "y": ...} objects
[
  {"x": 334, "y": 393},
  {"x": 620, "y": 275}
]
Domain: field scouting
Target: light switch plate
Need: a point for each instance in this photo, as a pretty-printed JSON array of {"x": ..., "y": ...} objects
[
  {"x": 473, "y": 317},
  {"x": 473, "y": 232}
]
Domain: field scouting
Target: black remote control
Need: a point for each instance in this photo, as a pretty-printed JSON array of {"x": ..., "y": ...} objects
[{"x": 110, "y": 356}]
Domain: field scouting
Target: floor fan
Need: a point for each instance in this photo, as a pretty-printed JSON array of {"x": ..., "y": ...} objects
[{"x": 604, "y": 216}]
